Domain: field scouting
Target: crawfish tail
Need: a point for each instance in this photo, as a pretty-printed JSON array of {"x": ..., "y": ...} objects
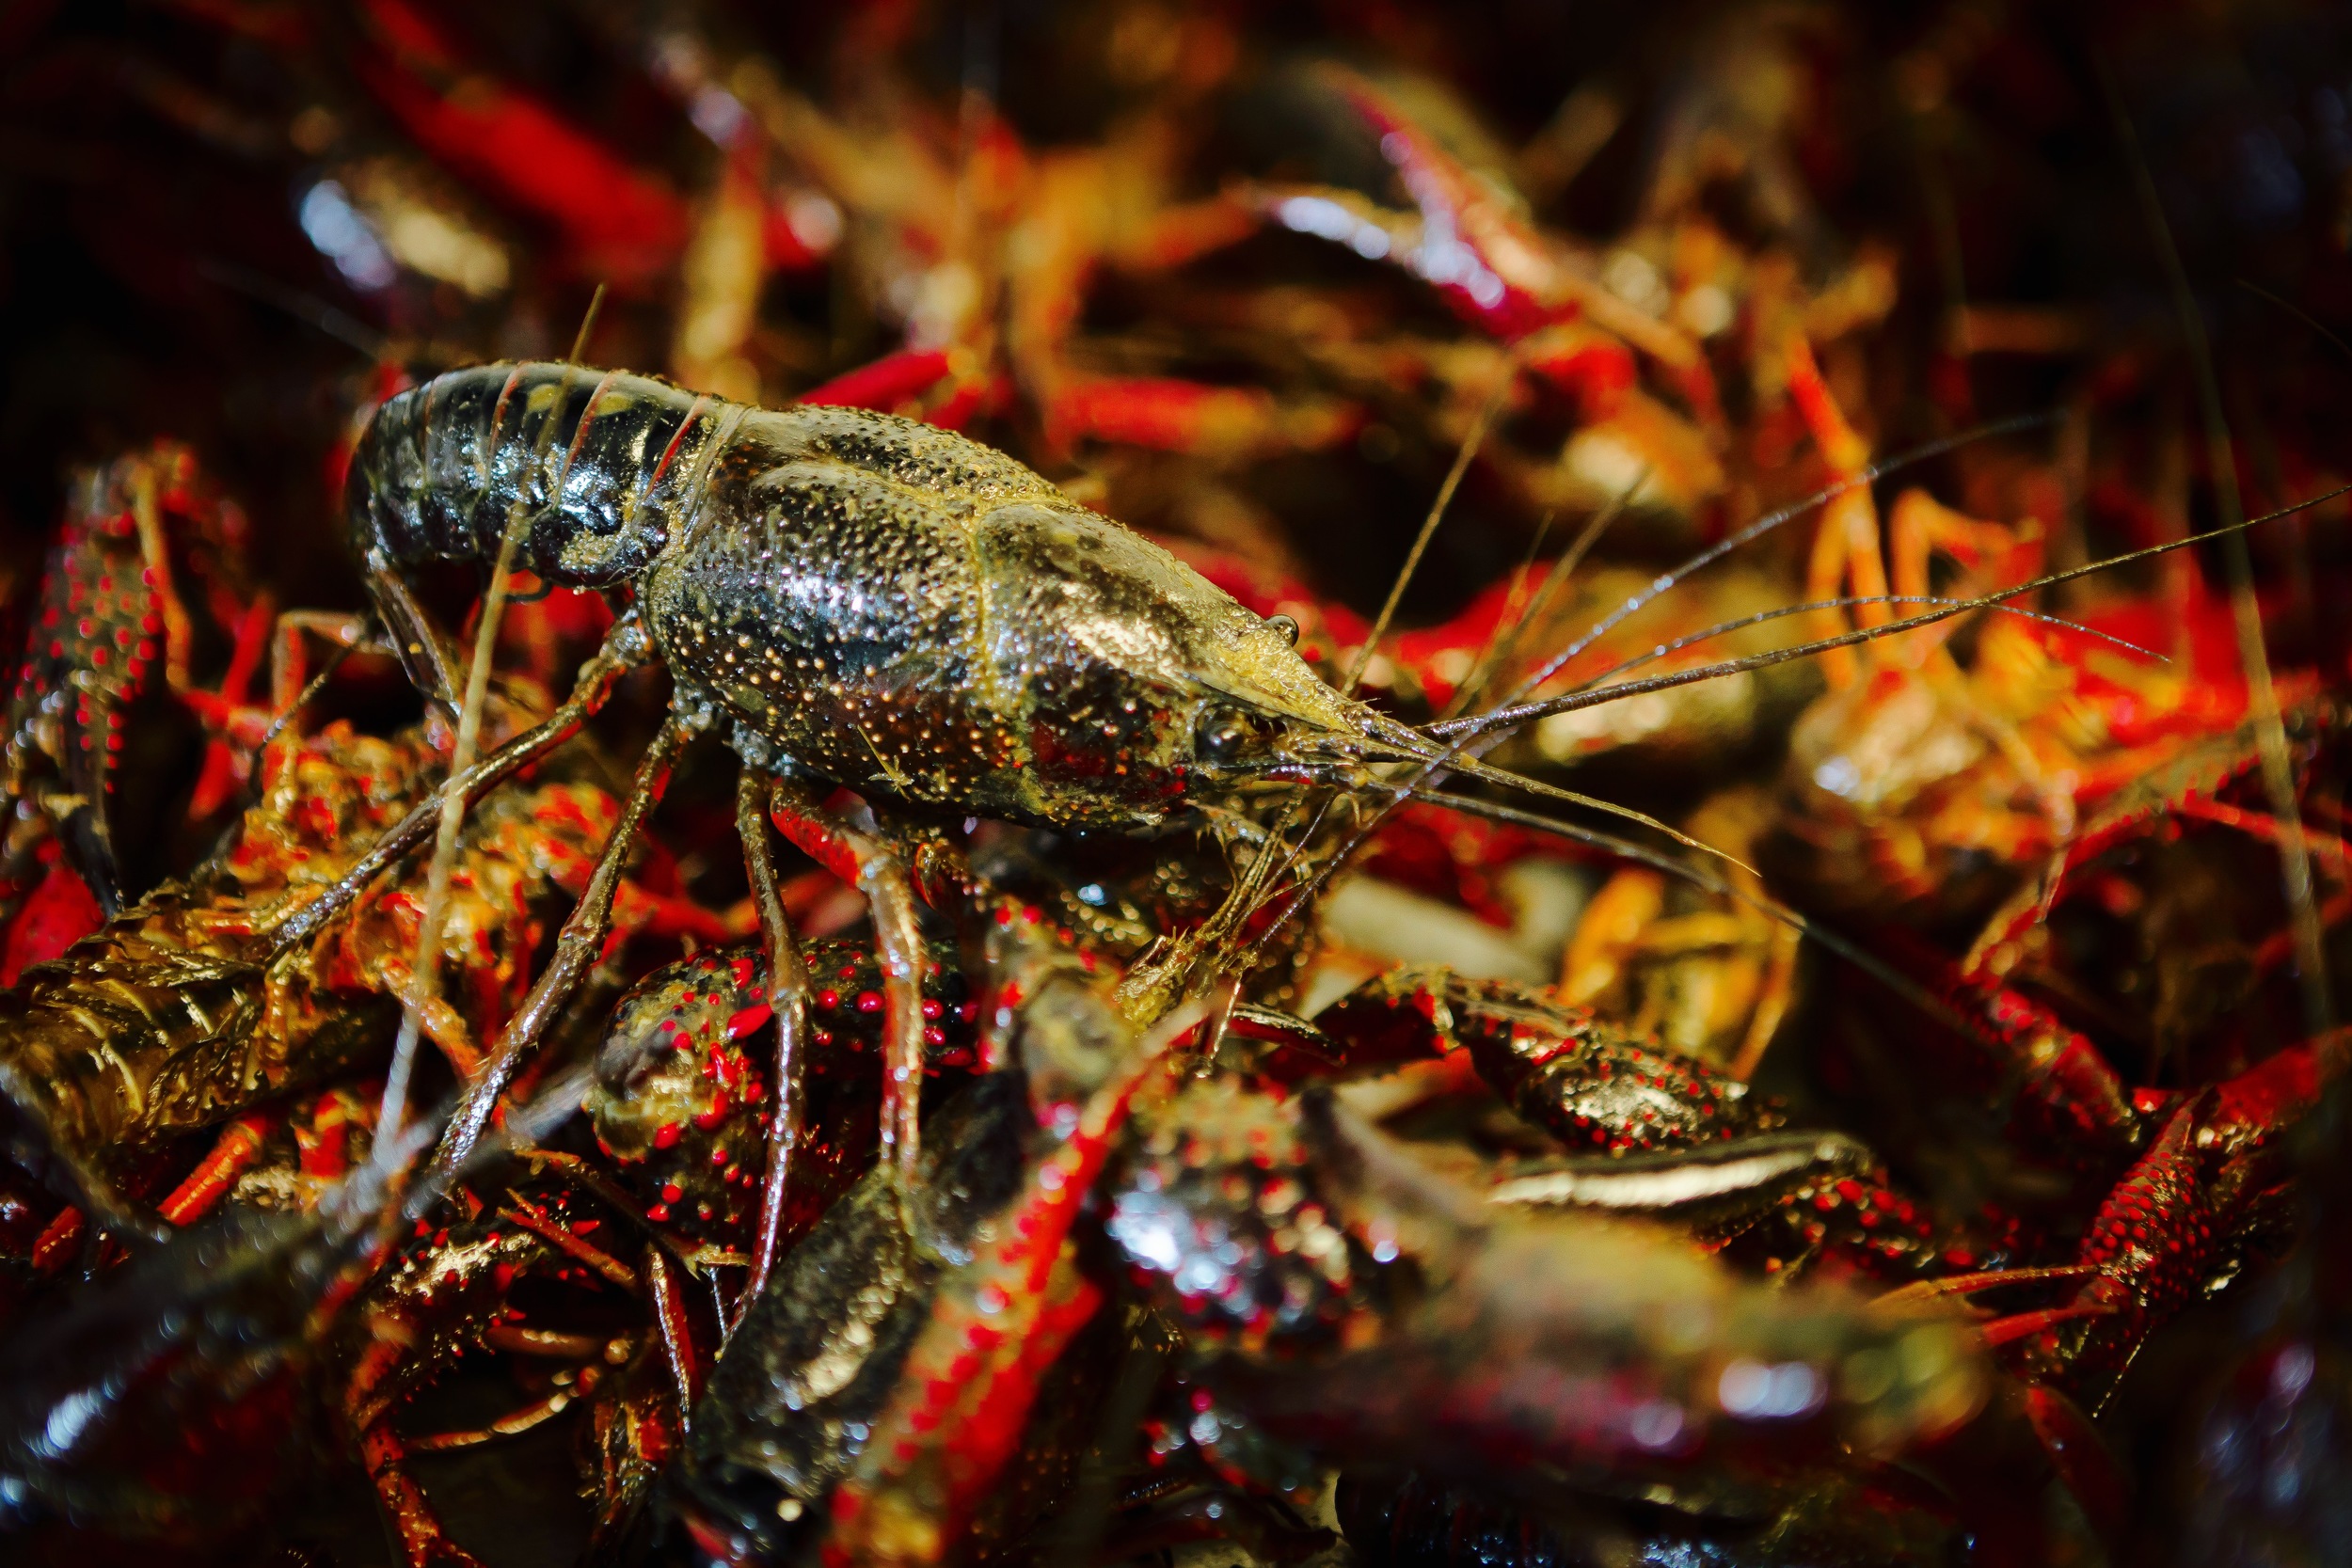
[{"x": 601, "y": 466}]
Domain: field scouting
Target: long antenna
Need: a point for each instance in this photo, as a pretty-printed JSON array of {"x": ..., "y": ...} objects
[
  {"x": 425, "y": 974},
  {"x": 2270, "y": 734},
  {"x": 1472, "y": 441}
]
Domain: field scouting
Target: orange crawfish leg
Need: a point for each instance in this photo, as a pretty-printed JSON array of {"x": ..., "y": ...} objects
[
  {"x": 56, "y": 1242},
  {"x": 514, "y": 1422},
  {"x": 1847, "y": 547},
  {"x": 414, "y": 1525},
  {"x": 787, "y": 999},
  {"x": 1993, "y": 556},
  {"x": 859, "y": 857},
  {"x": 239, "y": 1146},
  {"x": 324, "y": 1143},
  {"x": 413, "y": 1521},
  {"x": 1771, "y": 1003}
]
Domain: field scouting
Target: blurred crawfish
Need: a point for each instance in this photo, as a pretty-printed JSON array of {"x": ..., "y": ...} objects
[
  {"x": 1920, "y": 784},
  {"x": 1708, "y": 974},
  {"x": 1328, "y": 1287},
  {"x": 111, "y": 617}
]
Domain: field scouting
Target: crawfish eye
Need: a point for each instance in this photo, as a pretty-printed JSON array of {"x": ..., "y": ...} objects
[
  {"x": 1223, "y": 733},
  {"x": 1288, "y": 627}
]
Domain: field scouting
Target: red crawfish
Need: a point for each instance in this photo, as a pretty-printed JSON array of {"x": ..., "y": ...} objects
[
  {"x": 175, "y": 1019},
  {"x": 111, "y": 618},
  {"x": 531, "y": 1270},
  {"x": 1293, "y": 1247},
  {"x": 1333, "y": 1292},
  {"x": 855, "y": 598}
]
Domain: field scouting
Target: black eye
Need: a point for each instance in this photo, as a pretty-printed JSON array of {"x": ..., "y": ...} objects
[
  {"x": 1288, "y": 627},
  {"x": 1223, "y": 735}
]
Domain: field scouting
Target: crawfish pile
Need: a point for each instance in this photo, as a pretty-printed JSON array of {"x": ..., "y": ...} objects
[{"x": 595, "y": 973}]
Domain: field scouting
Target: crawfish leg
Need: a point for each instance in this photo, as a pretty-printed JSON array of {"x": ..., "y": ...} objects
[
  {"x": 423, "y": 650},
  {"x": 240, "y": 1145},
  {"x": 859, "y": 857},
  {"x": 677, "y": 1331},
  {"x": 515, "y": 1422},
  {"x": 290, "y": 666},
  {"x": 577, "y": 948},
  {"x": 788, "y": 998},
  {"x": 412, "y": 1517},
  {"x": 624, "y": 648}
]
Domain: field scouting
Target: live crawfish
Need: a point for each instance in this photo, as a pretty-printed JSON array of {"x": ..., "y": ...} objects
[
  {"x": 112, "y": 619},
  {"x": 862, "y": 599}
]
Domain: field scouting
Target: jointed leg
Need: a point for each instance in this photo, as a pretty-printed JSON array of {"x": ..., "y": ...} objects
[
  {"x": 240, "y": 1145},
  {"x": 577, "y": 948},
  {"x": 412, "y": 1519},
  {"x": 677, "y": 1331},
  {"x": 424, "y": 652},
  {"x": 1846, "y": 548},
  {"x": 862, "y": 859},
  {"x": 623, "y": 649},
  {"x": 788, "y": 998}
]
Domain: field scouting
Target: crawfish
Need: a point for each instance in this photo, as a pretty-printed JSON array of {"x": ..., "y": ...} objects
[
  {"x": 157, "y": 1025},
  {"x": 175, "y": 1018},
  {"x": 854, "y": 598},
  {"x": 1298, "y": 1252},
  {"x": 109, "y": 621},
  {"x": 676, "y": 1108}
]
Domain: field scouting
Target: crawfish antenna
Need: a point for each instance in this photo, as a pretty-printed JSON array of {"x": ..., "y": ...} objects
[
  {"x": 1471, "y": 443},
  {"x": 2270, "y": 734},
  {"x": 426, "y": 965}
]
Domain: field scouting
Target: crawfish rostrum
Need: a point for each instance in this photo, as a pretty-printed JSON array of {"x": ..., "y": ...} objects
[{"x": 1211, "y": 821}]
